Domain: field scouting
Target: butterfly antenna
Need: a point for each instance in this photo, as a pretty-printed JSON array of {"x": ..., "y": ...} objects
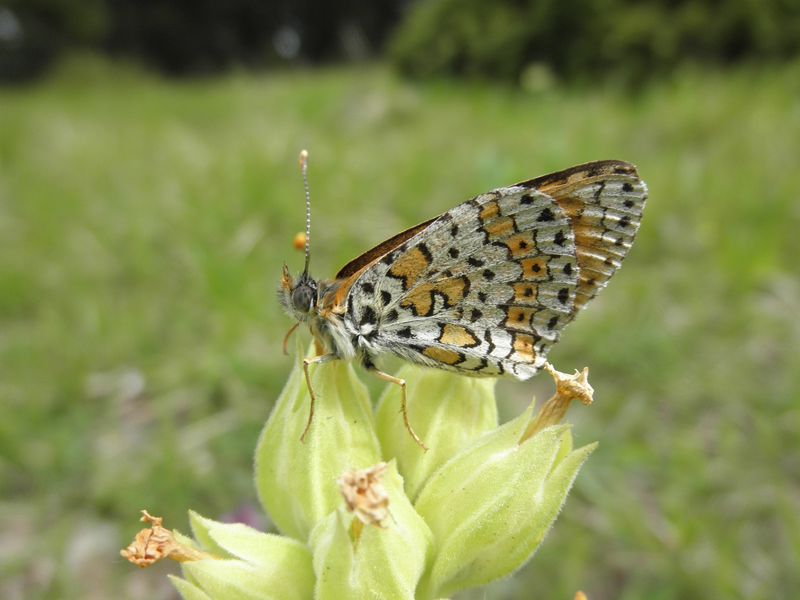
[{"x": 304, "y": 171}]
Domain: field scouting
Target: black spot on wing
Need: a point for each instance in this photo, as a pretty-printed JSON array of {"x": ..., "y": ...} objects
[
  {"x": 425, "y": 252},
  {"x": 368, "y": 316},
  {"x": 546, "y": 215}
]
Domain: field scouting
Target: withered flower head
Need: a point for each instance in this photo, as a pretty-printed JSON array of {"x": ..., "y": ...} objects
[
  {"x": 568, "y": 388},
  {"x": 151, "y": 545},
  {"x": 365, "y": 495}
]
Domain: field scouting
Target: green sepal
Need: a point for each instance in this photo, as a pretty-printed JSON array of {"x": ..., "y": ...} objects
[
  {"x": 382, "y": 562},
  {"x": 296, "y": 481},
  {"x": 281, "y": 566},
  {"x": 230, "y": 579},
  {"x": 187, "y": 589},
  {"x": 491, "y": 505},
  {"x": 201, "y": 527},
  {"x": 446, "y": 410}
]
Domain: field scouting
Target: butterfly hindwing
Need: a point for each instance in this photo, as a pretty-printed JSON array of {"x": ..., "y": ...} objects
[{"x": 486, "y": 287}]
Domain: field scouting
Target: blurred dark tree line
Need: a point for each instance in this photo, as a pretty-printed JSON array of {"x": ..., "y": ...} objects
[
  {"x": 186, "y": 37},
  {"x": 625, "y": 39},
  {"x": 499, "y": 39}
]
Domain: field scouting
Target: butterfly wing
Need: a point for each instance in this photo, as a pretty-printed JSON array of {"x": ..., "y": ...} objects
[
  {"x": 603, "y": 202},
  {"x": 487, "y": 287}
]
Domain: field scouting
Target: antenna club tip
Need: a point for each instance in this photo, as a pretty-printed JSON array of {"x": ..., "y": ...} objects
[{"x": 303, "y": 159}]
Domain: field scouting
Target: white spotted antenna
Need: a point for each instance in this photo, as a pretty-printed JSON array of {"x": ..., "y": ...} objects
[{"x": 304, "y": 171}]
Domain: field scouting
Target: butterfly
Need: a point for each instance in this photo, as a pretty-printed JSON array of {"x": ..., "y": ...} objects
[{"x": 483, "y": 289}]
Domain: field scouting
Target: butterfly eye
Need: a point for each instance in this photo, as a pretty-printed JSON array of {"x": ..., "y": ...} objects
[{"x": 303, "y": 297}]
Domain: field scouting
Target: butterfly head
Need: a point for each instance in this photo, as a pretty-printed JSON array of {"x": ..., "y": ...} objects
[{"x": 298, "y": 296}]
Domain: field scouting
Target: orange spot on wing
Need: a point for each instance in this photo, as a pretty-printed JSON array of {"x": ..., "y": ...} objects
[
  {"x": 523, "y": 347},
  {"x": 453, "y": 289},
  {"x": 489, "y": 211},
  {"x": 521, "y": 244},
  {"x": 519, "y": 317},
  {"x": 456, "y": 335},
  {"x": 447, "y": 357},
  {"x": 421, "y": 298},
  {"x": 534, "y": 269},
  {"x": 410, "y": 266},
  {"x": 525, "y": 293},
  {"x": 500, "y": 227}
]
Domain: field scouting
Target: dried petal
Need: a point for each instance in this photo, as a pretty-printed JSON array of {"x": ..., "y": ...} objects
[{"x": 365, "y": 495}]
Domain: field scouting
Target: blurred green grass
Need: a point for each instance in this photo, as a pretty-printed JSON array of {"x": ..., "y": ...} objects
[{"x": 143, "y": 224}]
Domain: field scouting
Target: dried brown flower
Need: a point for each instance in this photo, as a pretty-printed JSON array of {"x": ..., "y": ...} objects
[
  {"x": 365, "y": 495},
  {"x": 152, "y": 544},
  {"x": 568, "y": 388}
]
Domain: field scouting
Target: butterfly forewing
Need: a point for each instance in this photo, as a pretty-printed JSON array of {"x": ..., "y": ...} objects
[
  {"x": 486, "y": 287},
  {"x": 604, "y": 202}
]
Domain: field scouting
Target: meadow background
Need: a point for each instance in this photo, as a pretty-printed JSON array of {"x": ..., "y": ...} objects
[{"x": 144, "y": 220}]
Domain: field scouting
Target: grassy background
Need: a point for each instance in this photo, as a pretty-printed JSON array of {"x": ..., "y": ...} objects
[{"x": 143, "y": 225}]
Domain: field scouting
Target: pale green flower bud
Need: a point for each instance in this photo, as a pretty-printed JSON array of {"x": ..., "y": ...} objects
[
  {"x": 296, "y": 481},
  {"x": 446, "y": 410},
  {"x": 491, "y": 505},
  {"x": 485, "y": 496},
  {"x": 245, "y": 563},
  {"x": 357, "y": 561}
]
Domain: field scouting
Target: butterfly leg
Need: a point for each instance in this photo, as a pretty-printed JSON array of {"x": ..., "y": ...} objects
[
  {"x": 317, "y": 360},
  {"x": 403, "y": 407},
  {"x": 286, "y": 338}
]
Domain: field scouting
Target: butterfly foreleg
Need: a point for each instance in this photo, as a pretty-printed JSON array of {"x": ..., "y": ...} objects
[
  {"x": 286, "y": 338},
  {"x": 316, "y": 360},
  {"x": 403, "y": 407}
]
